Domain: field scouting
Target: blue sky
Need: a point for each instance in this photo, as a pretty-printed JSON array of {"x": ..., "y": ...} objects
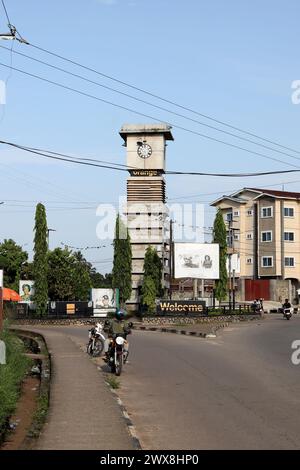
[{"x": 231, "y": 60}]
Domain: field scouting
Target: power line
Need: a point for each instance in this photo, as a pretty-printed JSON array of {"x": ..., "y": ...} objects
[
  {"x": 153, "y": 95},
  {"x": 153, "y": 105},
  {"x": 150, "y": 117},
  {"x": 5, "y": 10},
  {"x": 190, "y": 173}
]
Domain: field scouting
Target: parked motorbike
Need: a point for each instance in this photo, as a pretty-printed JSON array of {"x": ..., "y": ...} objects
[
  {"x": 287, "y": 313},
  {"x": 96, "y": 341}
]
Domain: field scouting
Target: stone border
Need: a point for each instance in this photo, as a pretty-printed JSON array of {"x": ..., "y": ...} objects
[
  {"x": 216, "y": 325},
  {"x": 45, "y": 379}
]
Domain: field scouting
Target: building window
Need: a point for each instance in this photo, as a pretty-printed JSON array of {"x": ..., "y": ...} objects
[
  {"x": 236, "y": 236},
  {"x": 229, "y": 216},
  {"x": 249, "y": 261},
  {"x": 289, "y": 236},
  {"x": 249, "y": 236},
  {"x": 289, "y": 212},
  {"x": 266, "y": 236},
  {"x": 289, "y": 262},
  {"x": 266, "y": 212},
  {"x": 267, "y": 262},
  {"x": 236, "y": 213},
  {"x": 250, "y": 212},
  {"x": 229, "y": 241}
]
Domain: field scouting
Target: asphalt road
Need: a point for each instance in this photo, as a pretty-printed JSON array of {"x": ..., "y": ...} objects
[{"x": 238, "y": 391}]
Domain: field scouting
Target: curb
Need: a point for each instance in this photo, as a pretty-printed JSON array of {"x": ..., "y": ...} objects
[
  {"x": 128, "y": 421},
  {"x": 179, "y": 332}
]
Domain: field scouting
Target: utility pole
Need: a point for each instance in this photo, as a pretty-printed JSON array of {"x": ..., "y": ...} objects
[
  {"x": 171, "y": 258},
  {"x": 230, "y": 262}
]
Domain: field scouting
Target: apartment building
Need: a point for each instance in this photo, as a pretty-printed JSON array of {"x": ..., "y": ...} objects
[{"x": 263, "y": 229}]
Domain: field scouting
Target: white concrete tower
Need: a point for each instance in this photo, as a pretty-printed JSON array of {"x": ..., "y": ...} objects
[{"x": 146, "y": 196}]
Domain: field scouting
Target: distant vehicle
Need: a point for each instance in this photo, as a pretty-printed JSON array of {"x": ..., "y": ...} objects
[{"x": 288, "y": 312}]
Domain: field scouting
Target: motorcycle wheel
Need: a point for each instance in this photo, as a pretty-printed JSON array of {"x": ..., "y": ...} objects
[
  {"x": 89, "y": 349},
  {"x": 98, "y": 347},
  {"x": 119, "y": 364}
]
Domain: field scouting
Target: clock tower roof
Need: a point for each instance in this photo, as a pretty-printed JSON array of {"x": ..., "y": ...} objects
[{"x": 146, "y": 129}]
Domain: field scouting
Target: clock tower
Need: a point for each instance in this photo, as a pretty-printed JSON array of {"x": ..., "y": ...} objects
[{"x": 146, "y": 196}]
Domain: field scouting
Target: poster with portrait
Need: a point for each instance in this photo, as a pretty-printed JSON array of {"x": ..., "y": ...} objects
[
  {"x": 196, "y": 260},
  {"x": 26, "y": 291},
  {"x": 104, "y": 301}
]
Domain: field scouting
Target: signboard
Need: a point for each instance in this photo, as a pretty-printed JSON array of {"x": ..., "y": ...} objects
[
  {"x": 26, "y": 291},
  {"x": 196, "y": 260},
  {"x": 180, "y": 307},
  {"x": 104, "y": 301},
  {"x": 146, "y": 172},
  {"x": 1, "y": 278}
]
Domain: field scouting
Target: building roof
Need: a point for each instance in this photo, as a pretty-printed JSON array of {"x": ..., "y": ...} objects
[
  {"x": 235, "y": 197},
  {"x": 155, "y": 128},
  {"x": 275, "y": 193}
]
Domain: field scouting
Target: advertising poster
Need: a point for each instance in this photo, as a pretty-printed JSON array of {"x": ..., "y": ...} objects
[
  {"x": 104, "y": 301},
  {"x": 26, "y": 291},
  {"x": 196, "y": 260}
]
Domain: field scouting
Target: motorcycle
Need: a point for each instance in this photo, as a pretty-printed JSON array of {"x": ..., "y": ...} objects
[
  {"x": 118, "y": 352},
  {"x": 96, "y": 341},
  {"x": 287, "y": 313}
]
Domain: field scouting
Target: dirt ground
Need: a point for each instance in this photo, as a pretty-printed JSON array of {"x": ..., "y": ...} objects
[{"x": 23, "y": 415}]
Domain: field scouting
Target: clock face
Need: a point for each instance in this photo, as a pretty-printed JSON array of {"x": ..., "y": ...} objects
[{"x": 144, "y": 151}]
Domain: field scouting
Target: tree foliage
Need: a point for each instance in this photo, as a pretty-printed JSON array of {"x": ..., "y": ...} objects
[
  {"x": 68, "y": 276},
  {"x": 12, "y": 260},
  {"x": 152, "y": 272},
  {"x": 149, "y": 294},
  {"x": 101, "y": 281},
  {"x": 220, "y": 237},
  {"x": 40, "y": 260},
  {"x": 121, "y": 273}
]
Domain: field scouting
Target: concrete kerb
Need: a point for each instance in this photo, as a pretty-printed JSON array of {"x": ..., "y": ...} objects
[
  {"x": 197, "y": 334},
  {"x": 128, "y": 421}
]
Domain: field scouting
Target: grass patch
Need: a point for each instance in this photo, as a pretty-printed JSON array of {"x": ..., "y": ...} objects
[
  {"x": 39, "y": 415},
  {"x": 113, "y": 382},
  {"x": 11, "y": 376}
]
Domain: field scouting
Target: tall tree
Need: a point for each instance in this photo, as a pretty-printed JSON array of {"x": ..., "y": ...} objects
[
  {"x": 152, "y": 286},
  {"x": 220, "y": 237},
  {"x": 121, "y": 273},
  {"x": 12, "y": 260},
  {"x": 153, "y": 269},
  {"x": 40, "y": 261},
  {"x": 149, "y": 294}
]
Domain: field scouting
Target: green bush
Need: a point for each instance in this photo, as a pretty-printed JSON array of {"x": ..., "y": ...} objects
[{"x": 11, "y": 376}]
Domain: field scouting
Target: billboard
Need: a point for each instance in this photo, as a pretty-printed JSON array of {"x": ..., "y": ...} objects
[
  {"x": 104, "y": 301},
  {"x": 26, "y": 291},
  {"x": 196, "y": 260},
  {"x": 1, "y": 277}
]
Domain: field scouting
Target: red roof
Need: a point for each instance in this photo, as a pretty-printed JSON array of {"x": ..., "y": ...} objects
[{"x": 272, "y": 192}]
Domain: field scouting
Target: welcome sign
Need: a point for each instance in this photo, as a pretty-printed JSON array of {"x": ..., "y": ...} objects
[{"x": 180, "y": 307}]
